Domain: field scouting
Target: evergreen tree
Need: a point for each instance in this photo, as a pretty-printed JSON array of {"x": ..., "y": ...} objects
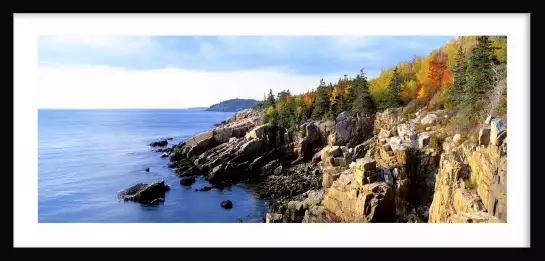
[
  {"x": 456, "y": 92},
  {"x": 322, "y": 102},
  {"x": 393, "y": 89},
  {"x": 271, "y": 101},
  {"x": 479, "y": 71},
  {"x": 363, "y": 101}
]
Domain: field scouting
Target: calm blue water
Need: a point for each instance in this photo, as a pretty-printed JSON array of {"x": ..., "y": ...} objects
[{"x": 86, "y": 156}]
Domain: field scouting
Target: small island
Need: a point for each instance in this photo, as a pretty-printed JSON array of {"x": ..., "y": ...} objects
[{"x": 233, "y": 105}]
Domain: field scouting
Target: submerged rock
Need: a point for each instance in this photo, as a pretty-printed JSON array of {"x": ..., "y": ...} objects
[
  {"x": 226, "y": 204},
  {"x": 159, "y": 143},
  {"x": 187, "y": 181}
]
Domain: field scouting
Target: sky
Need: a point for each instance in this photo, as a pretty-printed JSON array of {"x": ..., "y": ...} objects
[{"x": 102, "y": 71}]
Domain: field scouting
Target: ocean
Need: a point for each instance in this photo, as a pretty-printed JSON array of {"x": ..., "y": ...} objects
[{"x": 85, "y": 157}]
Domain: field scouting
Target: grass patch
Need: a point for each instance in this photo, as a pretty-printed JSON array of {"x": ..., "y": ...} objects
[{"x": 468, "y": 184}]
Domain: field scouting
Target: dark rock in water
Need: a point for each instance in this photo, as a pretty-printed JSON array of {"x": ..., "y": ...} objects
[
  {"x": 164, "y": 155},
  {"x": 226, "y": 204},
  {"x": 168, "y": 150},
  {"x": 239, "y": 220},
  {"x": 169, "y": 138},
  {"x": 159, "y": 143},
  {"x": 205, "y": 188},
  {"x": 187, "y": 181},
  {"x": 145, "y": 193},
  {"x": 147, "y": 169}
]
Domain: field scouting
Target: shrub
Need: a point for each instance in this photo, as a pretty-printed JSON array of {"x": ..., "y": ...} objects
[{"x": 469, "y": 184}]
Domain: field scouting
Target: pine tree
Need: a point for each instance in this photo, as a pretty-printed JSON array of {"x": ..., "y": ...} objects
[
  {"x": 362, "y": 101},
  {"x": 456, "y": 92},
  {"x": 321, "y": 104},
  {"x": 271, "y": 101},
  {"x": 479, "y": 71},
  {"x": 393, "y": 88}
]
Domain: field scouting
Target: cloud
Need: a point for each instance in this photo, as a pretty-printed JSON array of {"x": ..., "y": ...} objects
[
  {"x": 317, "y": 55},
  {"x": 109, "y": 87}
]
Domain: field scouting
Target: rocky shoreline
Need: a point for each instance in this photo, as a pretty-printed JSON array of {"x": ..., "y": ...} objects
[{"x": 365, "y": 168}]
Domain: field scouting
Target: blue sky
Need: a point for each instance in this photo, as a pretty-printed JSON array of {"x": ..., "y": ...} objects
[{"x": 306, "y": 57}]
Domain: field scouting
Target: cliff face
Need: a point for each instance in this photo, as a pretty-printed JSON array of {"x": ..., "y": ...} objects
[
  {"x": 471, "y": 185},
  {"x": 373, "y": 168}
]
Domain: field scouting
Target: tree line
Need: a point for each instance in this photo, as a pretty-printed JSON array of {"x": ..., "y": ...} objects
[{"x": 459, "y": 74}]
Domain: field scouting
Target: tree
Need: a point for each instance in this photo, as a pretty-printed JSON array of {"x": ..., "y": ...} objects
[
  {"x": 363, "y": 101},
  {"x": 479, "y": 71},
  {"x": 271, "y": 101},
  {"x": 393, "y": 89},
  {"x": 321, "y": 103},
  {"x": 282, "y": 96},
  {"x": 456, "y": 92}
]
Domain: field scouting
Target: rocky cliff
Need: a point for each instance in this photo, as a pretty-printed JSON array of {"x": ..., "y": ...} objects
[{"x": 384, "y": 167}]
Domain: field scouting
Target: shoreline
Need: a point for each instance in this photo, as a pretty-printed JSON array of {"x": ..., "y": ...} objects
[{"x": 368, "y": 168}]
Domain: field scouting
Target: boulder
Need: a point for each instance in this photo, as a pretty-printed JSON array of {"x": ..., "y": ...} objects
[
  {"x": 484, "y": 136},
  {"x": 294, "y": 212},
  {"x": 423, "y": 140},
  {"x": 187, "y": 181},
  {"x": 164, "y": 155},
  {"x": 198, "y": 138},
  {"x": 404, "y": 130},
  {"x": 147, "y": 169},
  {"x": 273, "y": 218},
  {"x": 335, "y": 151},
  {"x": 352, "y": 203},
  {"x": 429, "y": 119},
  {"x": 145, "y": 193},
  {"x": 365, "y": 168},
  {"x": 258, "y": 132},
  {"x": 345, "y": 129},
  {"x": 159, "y": 143},
  {"x": 226, "y": 204},
  {"x": 496, "y": 127},
  {"x": 456, "y": 138}
]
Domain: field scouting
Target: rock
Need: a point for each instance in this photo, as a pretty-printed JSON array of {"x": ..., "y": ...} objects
[
  {"x": 145, "y": 193},
  {"x": 238, "y": 220},
  {"x": 311, "y": 140},
  {"x": 429, "y": 119},
  {"x": 396, "y": 140},
  {"x": 456, "y": 138},
  {"x": 345, "y": 129},
  {"x": 169, "y": 138},
  {"x": 365, "y": 168},
  {"x": 351, "y": 203},
  {"x": 484, "y": 136},
  {"x": 428, "y": 128},
  {"x": 481, "y": 217},
  {"x": 423, "y": 140},
  {"x": 187, "y": 181},
  {"x": 273, "y": 218},
  {"x": 205, "y": 188},
  {"x": 258, "y": 132},
  {"x": 147, "y": 169},
  {"x": 226, "y": 204},
  {"x": 314, "y": 198},
  {"x": 488, "y": 119},
  {"x": 159, "y": 143},
  {"x": 342, "y": 116},
  {"x": 384, "y": 134},
  {"x": 207, "y": 135},
  {"x": 496, "y": 127},
  {"x": 404, "y": 130},
  {"x": 335, "y": 151},
  {"x": 294, "y": 212},
  {"x": 278, "y": 170},
  {"x": 164, "y": 155}
]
